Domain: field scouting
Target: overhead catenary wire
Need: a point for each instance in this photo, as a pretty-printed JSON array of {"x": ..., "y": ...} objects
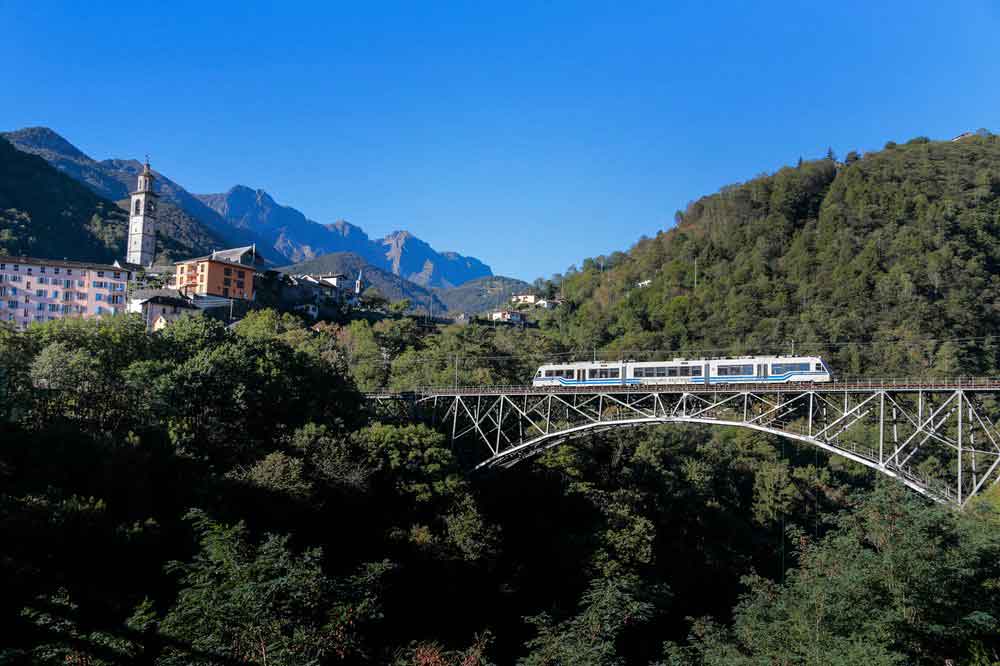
[{"x": 593, "y": 354}]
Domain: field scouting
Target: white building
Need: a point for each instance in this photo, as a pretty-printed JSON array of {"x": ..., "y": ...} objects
[
  {"x": 510, "y": 316},
  {"x": 643, "y": 284},
  {"x": 142, "y": 221},
  {"x": 160, "y": 307},
  {"x": 524, "y": 299}
]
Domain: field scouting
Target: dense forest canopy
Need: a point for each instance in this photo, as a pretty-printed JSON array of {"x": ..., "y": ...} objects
[
  {"x": 886, "y": 264},
  {"x": 219, "y": 495}
]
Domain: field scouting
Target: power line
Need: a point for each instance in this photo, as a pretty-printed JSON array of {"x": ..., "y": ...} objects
[{"x": 624, "y": 354}]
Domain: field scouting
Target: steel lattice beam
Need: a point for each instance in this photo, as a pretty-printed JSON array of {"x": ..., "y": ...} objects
[{"x": 936, "y": 438}]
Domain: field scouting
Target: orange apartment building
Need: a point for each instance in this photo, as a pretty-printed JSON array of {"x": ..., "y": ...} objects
[{"x": 224, "y": 273}]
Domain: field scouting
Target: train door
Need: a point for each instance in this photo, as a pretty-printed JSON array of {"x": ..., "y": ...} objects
[
  {"x": 761, "y": 371},
  {"x": 707, "y": 370},
  {"x": 581, "y": 374}
]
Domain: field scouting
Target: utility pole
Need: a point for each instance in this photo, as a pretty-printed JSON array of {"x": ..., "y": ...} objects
[{"x": 696, "y": 273}]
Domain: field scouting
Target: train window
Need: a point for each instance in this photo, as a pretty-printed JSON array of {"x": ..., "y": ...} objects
[
  {"x": 604, "y": 373},
  {"x": 550, "y": 373},
  {"x": 671, "y": 372},
  {"x": 735, "y": 370},
  {"x": 660, "y": 371},
  {"x": 685, "y": 372},
  {"x": 782, "y": 368},
  {"x": 638, "y": 372},
  {"x": 819, "y": 367},
  {"x": 613, "y": 373},
  {"x": 696, "y": 372}
]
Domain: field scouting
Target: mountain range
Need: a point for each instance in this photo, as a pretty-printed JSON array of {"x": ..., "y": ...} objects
[{"x": 242, "y": 216}]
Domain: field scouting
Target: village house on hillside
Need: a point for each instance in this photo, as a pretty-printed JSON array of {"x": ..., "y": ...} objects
[
  {"x": 38, "y": 290},
  {"x": 160, "y": 307},
  {"x": 316, "y": 295},
  {"x": 535, "y": 301},
  {"x": 224, "y": 274},
  {"x": 508, "y": 316}
]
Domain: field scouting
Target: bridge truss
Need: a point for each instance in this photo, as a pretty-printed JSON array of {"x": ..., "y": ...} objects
[{"x": 939, "y": 439}]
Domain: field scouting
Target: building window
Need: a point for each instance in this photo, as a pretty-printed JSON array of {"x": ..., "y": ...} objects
[
  {"x": 225, "y": 292},
  {"x": 138, "y": 207},
  {"x": 226, "y": 281},
  {"x": 228, "y": 271}
]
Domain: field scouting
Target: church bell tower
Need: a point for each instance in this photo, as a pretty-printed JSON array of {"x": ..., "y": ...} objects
[{"x": 142, "y": 221}]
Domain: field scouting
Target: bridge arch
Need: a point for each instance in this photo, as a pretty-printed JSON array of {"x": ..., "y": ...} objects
[{"x": 898, "y": 428}]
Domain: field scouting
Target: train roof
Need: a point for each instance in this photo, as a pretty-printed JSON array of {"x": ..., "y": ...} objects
[{"x": 587, "y": 364}]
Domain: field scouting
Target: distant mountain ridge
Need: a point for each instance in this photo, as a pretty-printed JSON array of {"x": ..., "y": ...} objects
[
  {"x": 298, "y": 238},
  {"x": 243, "y": 216}
]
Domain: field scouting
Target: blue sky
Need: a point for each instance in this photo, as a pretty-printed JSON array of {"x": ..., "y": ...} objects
[{"x": 530, "y": 135}]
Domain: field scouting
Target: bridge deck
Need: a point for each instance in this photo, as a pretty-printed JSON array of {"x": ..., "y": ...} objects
[{"x": 984, "y": 384}]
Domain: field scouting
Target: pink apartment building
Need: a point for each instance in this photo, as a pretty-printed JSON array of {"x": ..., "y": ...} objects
[{"x": 37, "y": 290}]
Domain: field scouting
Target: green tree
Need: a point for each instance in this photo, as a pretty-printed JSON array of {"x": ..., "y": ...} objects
[{"x": 264, "y": 604}]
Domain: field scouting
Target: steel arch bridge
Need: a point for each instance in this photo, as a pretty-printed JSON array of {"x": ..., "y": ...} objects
[{"x": 936, "y": 437}]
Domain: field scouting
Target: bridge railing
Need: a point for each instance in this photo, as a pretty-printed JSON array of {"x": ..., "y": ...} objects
[{"x": 850, "y": 383}]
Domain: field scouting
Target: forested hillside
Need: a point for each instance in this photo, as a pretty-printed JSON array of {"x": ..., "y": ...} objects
[
  {"x": 482, "y": 294},
  {"x": 45, "y": 213},
  {"x": 887, "y": 263}
]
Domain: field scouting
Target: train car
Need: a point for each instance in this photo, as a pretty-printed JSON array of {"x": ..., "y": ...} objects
[{"x": 744, "y": 370}]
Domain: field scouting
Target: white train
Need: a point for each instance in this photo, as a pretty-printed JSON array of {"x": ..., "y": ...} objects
[{"x": 745, "y": 370}]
